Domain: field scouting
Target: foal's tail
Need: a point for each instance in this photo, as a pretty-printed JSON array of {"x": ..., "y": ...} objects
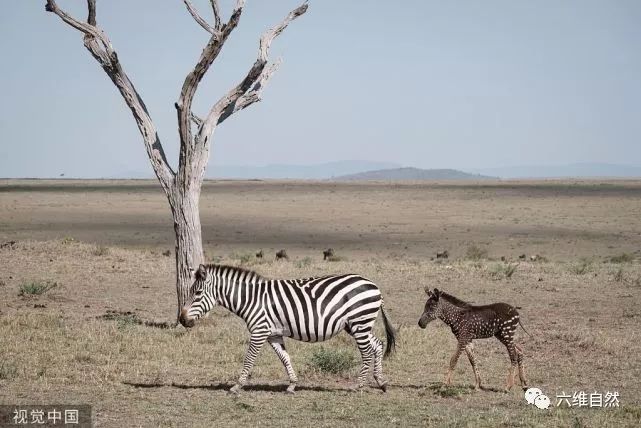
[
  {"x": 528, "y": 333},
  {"x": 389, "y": 333}
]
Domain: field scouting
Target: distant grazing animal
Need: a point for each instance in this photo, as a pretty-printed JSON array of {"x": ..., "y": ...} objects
[
  {"x": 443, "y": 255},
  {"x": 469, "y": 322},
  {"x": 259, "y": 255},
  {"x": 310, "y": 310},
  {"x": 282, "y": 254},
  {"x": 328, "y": 253},
  {"x": 522, "y": 257}
]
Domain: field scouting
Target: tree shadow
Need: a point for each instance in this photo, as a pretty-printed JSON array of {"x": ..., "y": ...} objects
[{"x": 226, "y": 386}]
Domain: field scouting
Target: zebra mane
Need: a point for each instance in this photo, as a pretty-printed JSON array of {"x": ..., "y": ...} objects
[
  {"x": 217, "y": 269},
  {"x": 454, "y": 300}
]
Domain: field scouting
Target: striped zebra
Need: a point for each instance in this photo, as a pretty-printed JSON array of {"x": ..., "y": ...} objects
[{"x": 310, "y": 310}]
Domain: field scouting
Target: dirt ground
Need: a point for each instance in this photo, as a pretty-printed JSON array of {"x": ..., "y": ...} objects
[{"x": 100, "y": 245}]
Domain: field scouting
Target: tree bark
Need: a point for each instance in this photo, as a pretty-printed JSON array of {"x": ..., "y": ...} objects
[
  {"x": 189, "y": 247},
  {"x": 183, "y": 187}
]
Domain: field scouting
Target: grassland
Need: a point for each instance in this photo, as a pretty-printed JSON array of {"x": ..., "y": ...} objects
[{"x": 84, "y": 340}]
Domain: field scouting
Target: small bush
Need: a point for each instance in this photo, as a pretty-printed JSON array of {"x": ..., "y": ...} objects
[
  {"x": 618, "y": 275},
  {"x": 100, "y": 251},
  {"x": 332, "y": 360},
  {"x": 67, "y": 240},
  {"x": 7, "y": 370},
  {"x": 335, "y": 258},
  {"x": 474, "y": 252},
  {"x": 36, "y": 288},
  {"x": 581, "y": 267},
  {"x": 449, "y": 391},
  {"x": 622, "y": 258},
  {"x": 304, "y": 262},
  {"x": 503, "y": 270}
]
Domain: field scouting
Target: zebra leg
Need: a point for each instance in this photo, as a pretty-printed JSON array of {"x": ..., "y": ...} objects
[
  {"x": 469, "y": 350},
  {"x": 363, "y": 341},
  {"x": 453, "y": 361},
  {"x": 278, "y": 344},
  {"x": 256, "y": 341},
  {"x": 519, "y": 360},
  {"x": 377, "y": 347}
]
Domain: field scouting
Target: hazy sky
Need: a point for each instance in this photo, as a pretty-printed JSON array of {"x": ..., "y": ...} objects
[{"x": 462, "y": 84}]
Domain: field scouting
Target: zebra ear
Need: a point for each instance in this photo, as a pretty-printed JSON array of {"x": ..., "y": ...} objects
[
  {"x": 428, "y": 292},
  {"x": 201, "y": 273},
  {"x": 437, "y": 293}
]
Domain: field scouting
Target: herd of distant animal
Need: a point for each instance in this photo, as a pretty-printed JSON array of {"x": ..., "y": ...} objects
[{"x": 317, "y": 309}]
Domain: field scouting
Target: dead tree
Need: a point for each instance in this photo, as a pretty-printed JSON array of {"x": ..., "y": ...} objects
[{"x": 182, "y": 187}]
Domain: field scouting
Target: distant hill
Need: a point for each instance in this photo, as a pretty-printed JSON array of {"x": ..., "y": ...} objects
[
  {"x": 574, "y": 170},
  {"x": 282, "y": 171},
  {"x": 412, "y": 174}
]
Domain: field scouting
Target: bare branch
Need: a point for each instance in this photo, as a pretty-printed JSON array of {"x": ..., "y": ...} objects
[
  {"x": 98, "y": 44},
  {"x": 216, "y": 8},
  {"x": 197, "y": 120},
  {"x": 250, "y": 89},
  {"x": 199, "y": 19},
  {"x": 189, "y": 167}
]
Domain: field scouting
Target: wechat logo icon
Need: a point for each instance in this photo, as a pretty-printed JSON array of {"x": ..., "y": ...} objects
[{"x": 538, "y": 398}]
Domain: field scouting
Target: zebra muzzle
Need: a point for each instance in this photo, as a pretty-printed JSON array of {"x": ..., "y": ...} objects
[{"x": 185, "y": 320}]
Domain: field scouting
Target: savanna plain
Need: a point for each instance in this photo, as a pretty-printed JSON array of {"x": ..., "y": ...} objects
[{"x": 87, "y": 299}]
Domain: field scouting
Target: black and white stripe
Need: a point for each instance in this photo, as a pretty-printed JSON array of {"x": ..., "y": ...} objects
[{"x": 310, "y": 310}]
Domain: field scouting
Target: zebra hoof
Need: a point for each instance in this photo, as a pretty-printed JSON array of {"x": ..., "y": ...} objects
[
  {"x": 290, "y": 389},
  {"x": 235, "y": 390},
  {"x": 383, "y": 387}
]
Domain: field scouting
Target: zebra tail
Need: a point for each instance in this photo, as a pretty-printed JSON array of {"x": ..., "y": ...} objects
[
  {"x": 528, "y": 333},
  {"x": 389, "y": 333}
]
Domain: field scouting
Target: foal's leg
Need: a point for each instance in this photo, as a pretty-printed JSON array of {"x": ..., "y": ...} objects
[
  {"x": 519, "y": 359},
  {"x": 278, "y": 344},
  {"x": 459, "y": 349},
  {"x": 469, "y": 350}
]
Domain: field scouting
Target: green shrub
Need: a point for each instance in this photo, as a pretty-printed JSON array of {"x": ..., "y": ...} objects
[
  {"x": 332, "y": 360},
  {"x": 100, "y": 251},
  {"x": 581, "y": 267},
  {"x": 622, "y": 258},
  {"x": 8, "y": 370},
  {"x": 503, "y": 270},
  {"x": 36, "y": 288},
  {"x": 304, "y": 262},
  {"x": 474, "y": 252}
]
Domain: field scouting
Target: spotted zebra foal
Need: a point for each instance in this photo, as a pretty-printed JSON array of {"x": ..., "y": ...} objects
[
  {"x": 310, "y": 310},
  {"x": 469, "y": 322}
]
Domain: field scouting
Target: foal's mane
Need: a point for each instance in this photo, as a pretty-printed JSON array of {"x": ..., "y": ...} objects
[{"x": 454, "y": 300}]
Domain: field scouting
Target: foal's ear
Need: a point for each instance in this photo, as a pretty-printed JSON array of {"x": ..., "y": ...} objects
[
  {"x": 437, "y": 293},
  {"x": 427, "y": 291}
]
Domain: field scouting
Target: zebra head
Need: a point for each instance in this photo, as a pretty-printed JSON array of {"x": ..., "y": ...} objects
[
  {"x": 200, "y": 299},
  {"x": 430, "y": 313}
]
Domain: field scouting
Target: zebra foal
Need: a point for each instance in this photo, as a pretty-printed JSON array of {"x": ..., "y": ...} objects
[
  {"x": 310, "y": 310},
  {"x": 469, "y": 322}
]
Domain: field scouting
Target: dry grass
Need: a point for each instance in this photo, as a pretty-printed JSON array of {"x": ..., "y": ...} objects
[
  {"x": 140, "y": 375},
  {"x": 95, "y": 338}
]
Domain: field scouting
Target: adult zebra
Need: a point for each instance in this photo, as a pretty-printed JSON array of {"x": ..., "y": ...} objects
[{"x": 311, "y": 310}]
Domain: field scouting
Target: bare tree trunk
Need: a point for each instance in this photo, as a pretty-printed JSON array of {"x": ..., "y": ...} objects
[
  {"x": 183, "y": 187},
  {"x": 189, "y": 247}
]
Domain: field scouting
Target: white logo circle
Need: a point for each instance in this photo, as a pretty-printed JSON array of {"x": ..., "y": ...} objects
[
  {"x": 531, "y": 394},
  {"x": 542, "y": 402}
]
